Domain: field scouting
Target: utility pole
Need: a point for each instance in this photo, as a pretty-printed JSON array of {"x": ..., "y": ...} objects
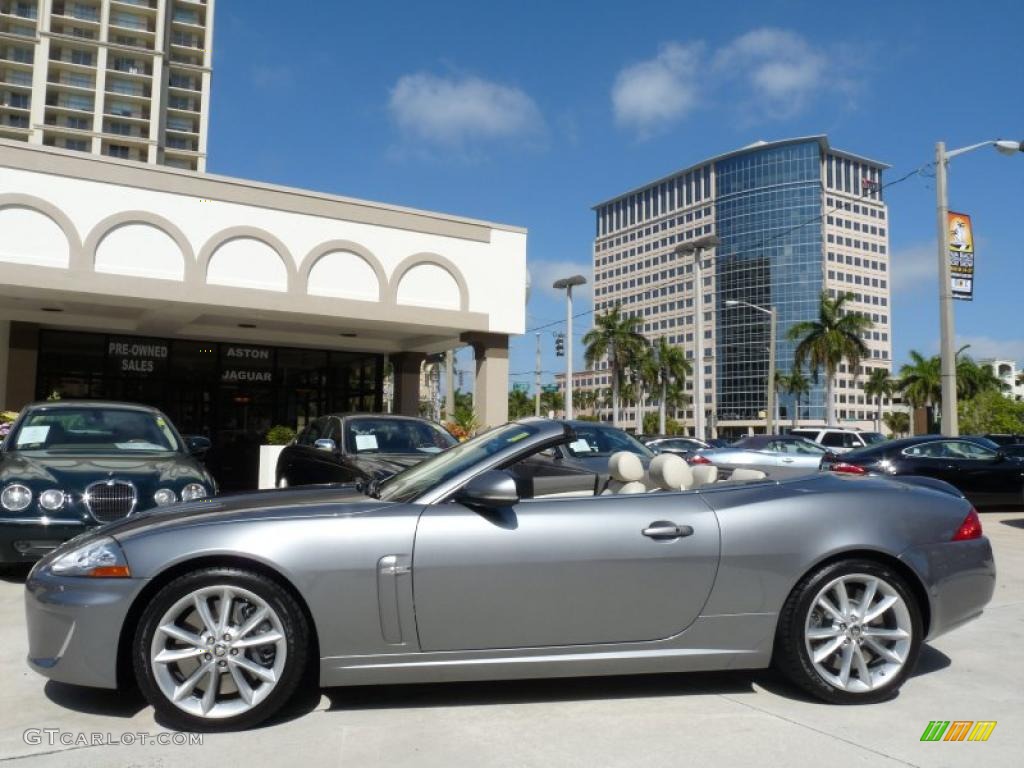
[
  {"x": 567, "y": 284},
  {"x": 770, "y": 421},
  {"x": 536, "y": 380},
  {"x": 696, "y": 247},
  {"x": 950, "y": 425}
]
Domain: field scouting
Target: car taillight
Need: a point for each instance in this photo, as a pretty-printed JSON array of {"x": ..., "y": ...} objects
[
  {"x": 849, "y": 469},
  {"x": 698, "y": 459},
  {"x": 970, "y": 528}
]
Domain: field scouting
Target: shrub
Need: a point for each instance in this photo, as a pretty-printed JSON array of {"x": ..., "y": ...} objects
[{"x": 280, "y": 435}]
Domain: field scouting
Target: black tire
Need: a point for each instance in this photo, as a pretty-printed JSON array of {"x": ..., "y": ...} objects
[
  {"x": 293, "y": 622},
  {"x": 791, "y": 656}
]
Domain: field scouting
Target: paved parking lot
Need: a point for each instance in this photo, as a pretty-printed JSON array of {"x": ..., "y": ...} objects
[{"x": 728, "y": 719}]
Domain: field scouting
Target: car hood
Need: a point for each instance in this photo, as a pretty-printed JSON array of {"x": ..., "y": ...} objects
[
  {"x": 74, "y": 473},
  {"x": 381, "y": 466},
  {"x": 306, "y": 501}
]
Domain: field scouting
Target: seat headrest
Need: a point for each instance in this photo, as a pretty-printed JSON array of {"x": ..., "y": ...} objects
[
  {"x": 704, "y": 474},
  {"x": 625, "y": 467},
  {"x": 670, "y": 473},
  {"x": 745, "y": 473}
]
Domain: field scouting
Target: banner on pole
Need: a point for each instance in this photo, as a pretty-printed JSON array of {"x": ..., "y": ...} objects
[{"x": 961, "y": 256}]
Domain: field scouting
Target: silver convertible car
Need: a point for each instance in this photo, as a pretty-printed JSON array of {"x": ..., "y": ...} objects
[{"x": 461, "y": 568}]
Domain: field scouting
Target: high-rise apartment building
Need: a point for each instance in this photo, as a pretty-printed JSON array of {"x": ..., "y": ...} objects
[
  {"x": 794, "y": 218},
  {"x": 123, "y": 78}
]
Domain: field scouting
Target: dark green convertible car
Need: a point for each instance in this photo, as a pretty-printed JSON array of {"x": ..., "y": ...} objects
[{"x": 71, "y": 465}]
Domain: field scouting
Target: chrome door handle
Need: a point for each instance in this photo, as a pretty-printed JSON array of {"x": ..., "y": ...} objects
[
  {"x": 663, "y": 529},
  {"x": 787, "y": 460}
]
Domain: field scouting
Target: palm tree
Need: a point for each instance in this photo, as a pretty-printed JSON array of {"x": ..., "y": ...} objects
[
  {"x": 795, "y": 384},
  {"x": 972, "y": 379},
  {"x": 520, "y": 404},
  {"x": 551, "y": 401},
  {"x": 898, "y": 422},
  {"x": 664, "y": 365},
  {"x": 921, "y": 381},
  {"x": 586, "y": 399},
  {"x": 614, "y": 336},
  {"x": 879, "y": 384},
  {"x": 676, "y": 398},
  {"x": 826, "y": 342}
]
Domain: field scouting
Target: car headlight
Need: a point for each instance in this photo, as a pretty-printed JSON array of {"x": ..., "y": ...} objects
[
  {"x": 164, "y": 496},
  {"x": 15, "y": 497},
  {"x": 193, "y": 491},
  {"x": 51, "y": 500},
  {"x": 100, "y": 558}
]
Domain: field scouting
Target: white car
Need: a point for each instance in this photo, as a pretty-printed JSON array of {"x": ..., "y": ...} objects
[{"x": 837, "y": 439}]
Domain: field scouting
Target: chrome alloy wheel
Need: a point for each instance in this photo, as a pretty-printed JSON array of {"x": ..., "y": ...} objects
[
  {"x": 858, "y": 633},
  {"x": 218, "y": 652}
]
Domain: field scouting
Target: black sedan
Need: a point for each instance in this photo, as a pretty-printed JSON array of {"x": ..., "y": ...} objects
[
  {"x": 976, "y": 466},
  {"x": 359, "y": 447},
  {"x": 67, "y": 466}
]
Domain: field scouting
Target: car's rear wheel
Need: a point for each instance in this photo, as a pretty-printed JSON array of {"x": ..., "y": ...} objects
[
  {"x": 220, "y": 648},
  {"x": 850, "y": 632}
]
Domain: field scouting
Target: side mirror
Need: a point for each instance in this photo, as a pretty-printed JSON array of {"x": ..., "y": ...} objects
[
  {"x": 493, "y": 489},
  {"x": 1000, "y": 456},
  {"x": 325, "y": 444},
  {"x": 197, "y": 445},
  {"x": 829, "y": 456}
]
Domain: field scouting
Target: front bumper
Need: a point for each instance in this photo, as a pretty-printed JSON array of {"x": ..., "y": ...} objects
[
  {"x": 26, "y": 539},
  {"x": 74, "y": 626},
  {"x": 960, "y": 577}
]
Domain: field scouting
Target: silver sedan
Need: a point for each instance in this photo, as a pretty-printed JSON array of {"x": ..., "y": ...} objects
[
  {"x": 778, "y": 456},
  {"x": 459, "y": 569}
]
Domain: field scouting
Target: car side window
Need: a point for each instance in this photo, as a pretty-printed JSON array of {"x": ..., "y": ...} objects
[
  {"x": 312, "y": 433},
  {"x": 964, "y": 450},
  {"x": 935, "y": 450},
  {"x": 334, "y": 431},
  {"x": 834, "y": 440},
  {"x": 851, "y": 440}
]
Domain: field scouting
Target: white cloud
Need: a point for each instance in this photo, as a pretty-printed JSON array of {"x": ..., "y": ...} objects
[
  {"x": 780, "y": 66},
  {"x": 651, "y": 93},
  {"x": 544, "y": 273},
  {"x": 983, "y": 347},
  {"x": 457, "y": 110},
  {"x": 775, "y": 71},
  {"x": 914, "y": 268}
]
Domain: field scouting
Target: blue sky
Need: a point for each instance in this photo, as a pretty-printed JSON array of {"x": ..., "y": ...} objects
[{"x": 528, "y": 113}]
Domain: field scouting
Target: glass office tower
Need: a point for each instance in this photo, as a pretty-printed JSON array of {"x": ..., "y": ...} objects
[{"x": 794, "y": 217}]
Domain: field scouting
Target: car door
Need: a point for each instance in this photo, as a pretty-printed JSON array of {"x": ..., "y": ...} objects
[
  {"x": 794, "y": 458},
  {"x": 932, "y": 459},
  {"x": 985, "y": 476},
  {"x": 555, "y": 572}
]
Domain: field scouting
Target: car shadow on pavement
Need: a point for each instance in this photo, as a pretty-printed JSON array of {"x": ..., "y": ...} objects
[
  {"x": 534, "y": 691},
  {"x": 1017, "y": 522},
  {"x": 16, "y": 573},
  {"x": 95, "y": 701}
]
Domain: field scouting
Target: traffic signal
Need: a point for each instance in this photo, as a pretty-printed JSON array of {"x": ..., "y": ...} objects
[{"x": 560, "y": 345}]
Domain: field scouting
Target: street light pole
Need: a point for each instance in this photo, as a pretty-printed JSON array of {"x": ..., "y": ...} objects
[
  {"x": 947, "y": 346},
  {"x": 536, "y": 380},
  {"x": 567, "y": 283},
  {"x": 947, "y": 349},
  {"x": 773, "y": 314},
  {"x": 696, "y": 247}
]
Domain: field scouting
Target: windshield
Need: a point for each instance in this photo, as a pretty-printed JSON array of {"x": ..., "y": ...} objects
[
  {"x": 602, "y": 441},
  {"x": 93, "y": 430},
  {"x": 873, "y": 438},
  {"x": 417, "y": 480},
  {"x": 376, "y": 436}
]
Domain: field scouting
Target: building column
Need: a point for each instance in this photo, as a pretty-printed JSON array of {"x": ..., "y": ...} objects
[
  {"x": 406, "y": 367},
  {"x": 5, "y": 356},
  {"x": 19, "y": 368},
  {"x": 490, "y": 387}
]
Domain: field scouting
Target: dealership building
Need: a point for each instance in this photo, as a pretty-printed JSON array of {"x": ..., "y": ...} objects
[{"x": 235, "y": 305}]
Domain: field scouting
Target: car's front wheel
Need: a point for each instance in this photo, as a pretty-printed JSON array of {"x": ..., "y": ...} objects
[
  {"x": 850, "y": 632},
  {"x": 220, "y": 648}
]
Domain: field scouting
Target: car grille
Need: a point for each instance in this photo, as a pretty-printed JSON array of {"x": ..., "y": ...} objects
[{"x": 110, "y": 500}]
